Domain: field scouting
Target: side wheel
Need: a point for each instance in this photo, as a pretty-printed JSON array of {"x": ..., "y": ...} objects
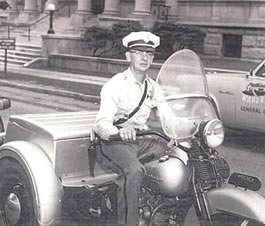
[
  {"x": 229, "y": 220},
  {"x": 16, "y": 198}
]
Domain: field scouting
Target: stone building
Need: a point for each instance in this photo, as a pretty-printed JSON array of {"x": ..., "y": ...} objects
[
  {"x": 234, "y": 28},
  {"x": 82, "y": 10}
]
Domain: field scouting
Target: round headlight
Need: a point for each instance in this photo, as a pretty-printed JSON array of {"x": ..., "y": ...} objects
[{"x": 213, "y": 133}]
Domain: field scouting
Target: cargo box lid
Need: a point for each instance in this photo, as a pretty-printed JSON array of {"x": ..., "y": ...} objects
[{"x": 57, "y": 126}]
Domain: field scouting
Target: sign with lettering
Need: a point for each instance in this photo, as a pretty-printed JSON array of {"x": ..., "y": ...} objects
[
  {"x": 253, "y": 96},
  {"x": 9, "y": 44}
]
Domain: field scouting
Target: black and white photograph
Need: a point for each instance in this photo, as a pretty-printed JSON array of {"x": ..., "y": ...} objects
[{"x": 132, "y": 113}]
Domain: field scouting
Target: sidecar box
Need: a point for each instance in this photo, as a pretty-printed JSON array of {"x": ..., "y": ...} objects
[{"x": 64, "y": 137}]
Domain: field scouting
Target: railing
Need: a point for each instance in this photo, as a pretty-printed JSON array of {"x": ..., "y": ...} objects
[{"x": 29, "y": 26}]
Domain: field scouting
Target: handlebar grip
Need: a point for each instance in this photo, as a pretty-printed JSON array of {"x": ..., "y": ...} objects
[{"x": 115, "y": 137}]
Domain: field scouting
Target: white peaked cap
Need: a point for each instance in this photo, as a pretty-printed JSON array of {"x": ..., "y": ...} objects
[{"x": 141, "y": 39}]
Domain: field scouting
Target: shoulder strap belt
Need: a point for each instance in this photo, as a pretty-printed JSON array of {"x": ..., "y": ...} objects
[{"x": 122, "y": 120}]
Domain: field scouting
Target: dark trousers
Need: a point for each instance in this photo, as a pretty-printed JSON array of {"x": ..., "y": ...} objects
[{"x": 122, "y": 158}]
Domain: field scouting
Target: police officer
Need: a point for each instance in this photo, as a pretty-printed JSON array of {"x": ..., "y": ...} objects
[{"x": 118, "y": 114}]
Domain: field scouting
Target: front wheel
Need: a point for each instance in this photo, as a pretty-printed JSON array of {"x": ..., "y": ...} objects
[
  {"x": 230, "y": 220},
  {"x": 16, "y": 198}
]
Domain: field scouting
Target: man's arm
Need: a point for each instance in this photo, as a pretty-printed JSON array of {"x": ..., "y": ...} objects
[{"x": 108, "y": 107}]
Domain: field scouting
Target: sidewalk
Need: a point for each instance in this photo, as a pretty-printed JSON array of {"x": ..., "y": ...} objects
[{"x": 81, "y": 86}]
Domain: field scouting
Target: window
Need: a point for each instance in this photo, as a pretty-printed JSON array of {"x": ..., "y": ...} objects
[
  {"x": 232, "y": 45},
  {"x": 261, "y": 71}
]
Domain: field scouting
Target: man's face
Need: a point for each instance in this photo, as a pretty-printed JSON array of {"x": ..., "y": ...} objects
[{"x": 140, "y": 60}]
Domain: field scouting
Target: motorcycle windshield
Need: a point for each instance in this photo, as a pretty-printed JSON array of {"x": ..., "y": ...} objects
[{"x": 184, "y": 99}]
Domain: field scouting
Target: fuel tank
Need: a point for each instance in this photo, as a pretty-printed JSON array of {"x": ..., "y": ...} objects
[{"x": 168, "y": 176}]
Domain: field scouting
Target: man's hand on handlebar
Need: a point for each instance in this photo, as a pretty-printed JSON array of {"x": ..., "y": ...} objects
[{"x": 128, "y": 133}]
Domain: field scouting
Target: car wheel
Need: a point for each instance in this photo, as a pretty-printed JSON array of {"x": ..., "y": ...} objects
[{"x": 16, "y": 198}]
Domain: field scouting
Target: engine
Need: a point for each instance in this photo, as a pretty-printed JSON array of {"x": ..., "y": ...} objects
[
  {"x": 157, "y": 209},
  {"x": 168, "y": 176}
]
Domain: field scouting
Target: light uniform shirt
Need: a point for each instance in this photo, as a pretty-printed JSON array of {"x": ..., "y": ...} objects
[{"x": 120, "y": 96}]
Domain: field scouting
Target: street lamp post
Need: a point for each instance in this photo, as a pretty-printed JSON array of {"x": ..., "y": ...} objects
[{"x": 51, "y": 8}]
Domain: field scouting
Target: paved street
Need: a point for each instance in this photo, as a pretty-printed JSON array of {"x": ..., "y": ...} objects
[{"x": 24, "y": 102}]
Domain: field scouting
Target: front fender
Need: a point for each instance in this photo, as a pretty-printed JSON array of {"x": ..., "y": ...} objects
[
  {"x": 241, "y": 202},
  {"x": 46, "y": 186}
]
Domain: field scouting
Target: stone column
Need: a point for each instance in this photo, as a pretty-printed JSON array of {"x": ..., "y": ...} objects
[
  {"x": 30, "y": 6},
  {"x": 83, "y": 12},
  {"x": 142, "y": 8},
  {"x": 30, "y": 11},
  {"x": 41, "y": 6},
  {"x": 13, "y": 11},
  {"x": 172, "y": 9},
  {"x": 84, "y": 6},
  {"x": 13, "y": 4},
  {"x": 112, "y": 8}
]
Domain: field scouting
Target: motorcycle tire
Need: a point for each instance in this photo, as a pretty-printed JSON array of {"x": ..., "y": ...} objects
[
  {"x": 16, "y": 198},
  {"x": 230, "y": 220}
]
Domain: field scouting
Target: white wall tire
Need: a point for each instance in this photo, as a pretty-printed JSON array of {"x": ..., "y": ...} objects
[{"x": 16, "y": 198}]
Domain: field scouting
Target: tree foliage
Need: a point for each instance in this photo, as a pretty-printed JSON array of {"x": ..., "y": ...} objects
[
  {"x": 107, "y": 41},
  {"x": 104, "y": 41},
  {"x": 174, "y": 37},
  {"x": 100, "y": 40},
  {"x": 4, "y": 5},
  {"x": 121, "y": 30}
]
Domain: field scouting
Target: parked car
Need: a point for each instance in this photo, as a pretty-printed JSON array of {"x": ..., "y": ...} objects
[{"x": 240, "y": 97}]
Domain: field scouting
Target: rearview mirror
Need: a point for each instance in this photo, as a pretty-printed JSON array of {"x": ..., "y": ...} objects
[
  {"x": 250, "y": 73},
  {"x": 5, "y": 103}
]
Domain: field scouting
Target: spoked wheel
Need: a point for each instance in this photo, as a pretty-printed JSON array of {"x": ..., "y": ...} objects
[
  {"x": 229, "y": 220},
  {"x": 16, "y": 198}
]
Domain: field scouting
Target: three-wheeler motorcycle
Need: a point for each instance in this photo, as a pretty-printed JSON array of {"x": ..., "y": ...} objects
[{"x": 49, "y": 170}]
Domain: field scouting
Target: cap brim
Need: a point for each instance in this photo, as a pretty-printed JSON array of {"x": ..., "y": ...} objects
[{"x": 143, "y": 48}]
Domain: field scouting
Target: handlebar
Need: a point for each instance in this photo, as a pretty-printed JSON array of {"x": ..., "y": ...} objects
[
  {"x": 140, "y": 133},
  {"x": 116, "y": 137}
]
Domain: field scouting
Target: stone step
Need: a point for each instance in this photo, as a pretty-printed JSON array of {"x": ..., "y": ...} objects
[
  {"x": 59, "y": 24},
  {"x": 28, "y": 46},
  {"x": 30, "y": 41},
  {"x": 25, "y": 51},
  {"x": 21, "y": 32},
  {"x": 23, "y": 54},
  {"x": 13, "y": 61},
  {"x": 33, "y": 34},
  {"x": 18, "y": 57},
  {"x": 29, "y": 51}
]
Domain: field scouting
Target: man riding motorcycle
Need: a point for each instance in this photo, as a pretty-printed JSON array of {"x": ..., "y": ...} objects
[{"x": 126, "y": 103}]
